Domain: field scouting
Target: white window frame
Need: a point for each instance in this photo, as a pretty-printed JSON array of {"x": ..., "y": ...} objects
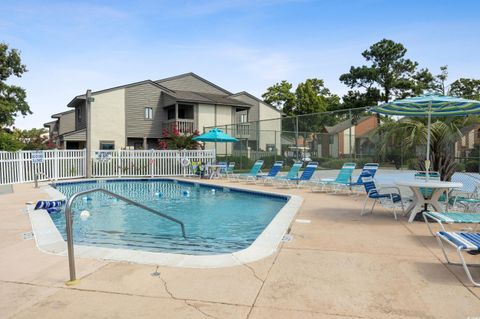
[{"x": 148, "y": 113}]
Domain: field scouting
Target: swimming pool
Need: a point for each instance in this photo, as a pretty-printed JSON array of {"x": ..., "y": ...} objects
[{"x": 217, "y": 220}]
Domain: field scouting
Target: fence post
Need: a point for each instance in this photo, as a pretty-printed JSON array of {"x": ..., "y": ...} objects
[
  {"x": 350, "y": 134},
  {"x": 119, "y": 160},
  {"x": 296, "y": 136},
  {"x": 55, "y": 165},
  {"x": 85, "y": 159},
  {"x": 151, "y": 162},
  {"x": 20, "y": 160}
]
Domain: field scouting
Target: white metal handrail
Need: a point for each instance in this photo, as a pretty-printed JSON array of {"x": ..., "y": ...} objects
[{"x": 69, "y": 224}]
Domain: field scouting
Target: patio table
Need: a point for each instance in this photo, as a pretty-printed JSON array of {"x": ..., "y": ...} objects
[
  {"x": 419, "y": 201},
  {"x": 214, "y": 170}
]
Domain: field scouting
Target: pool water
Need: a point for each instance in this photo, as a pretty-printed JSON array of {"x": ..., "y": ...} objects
[{"x": 217, "y": 220}]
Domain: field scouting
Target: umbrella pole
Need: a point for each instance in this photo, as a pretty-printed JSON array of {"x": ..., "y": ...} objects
[{"x": 429, "y": 123}]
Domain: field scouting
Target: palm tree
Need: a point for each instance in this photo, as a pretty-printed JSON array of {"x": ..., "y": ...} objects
[{"x": 411, "y": 133}]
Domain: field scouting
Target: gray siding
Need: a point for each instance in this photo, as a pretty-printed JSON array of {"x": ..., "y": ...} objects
[
  {"x": 190, "y": 83},
  {"x": 137, "y": 98},
  {"x": 254, "y": 112},
  {"x": 167, "y": 100},
  {"x": 82, "y": 123},
  {"x": 67, "y": 123},
  {"x": 75, "y": 136}
]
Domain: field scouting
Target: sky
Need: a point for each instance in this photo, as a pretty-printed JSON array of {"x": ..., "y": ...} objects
[{"x": 241, "y": 45}]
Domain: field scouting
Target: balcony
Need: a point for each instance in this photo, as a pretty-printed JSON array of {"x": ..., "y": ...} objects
[
  {"x": 182, "y": 125},
  {"x": 241, "y": 130}
]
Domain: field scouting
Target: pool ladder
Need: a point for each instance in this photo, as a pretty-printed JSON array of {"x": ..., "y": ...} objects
[{"x": 69, "y": 225}]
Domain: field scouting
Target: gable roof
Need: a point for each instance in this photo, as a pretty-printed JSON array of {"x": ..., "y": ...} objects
[
  {"x": 342, "y": 126},
  {"x": 465, "y": 130},
  {"x": 195, "y": 76},
  {"x": 58, "y": 115},
  {"x": 49, "y": 124},
  {"x": 256, "y": 99},
  {"x": 82, "y": 96}
]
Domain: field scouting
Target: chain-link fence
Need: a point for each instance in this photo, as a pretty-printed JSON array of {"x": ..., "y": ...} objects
[{"x": 333, "y": 138}]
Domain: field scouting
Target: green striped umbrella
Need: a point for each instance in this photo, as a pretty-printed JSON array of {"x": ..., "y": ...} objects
[{"x": 429, "y": 105}]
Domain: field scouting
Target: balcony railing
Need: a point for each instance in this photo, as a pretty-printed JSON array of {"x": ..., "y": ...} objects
[
  {"x": 241, "y": 130},
  {"x": 182, "y": 125}
]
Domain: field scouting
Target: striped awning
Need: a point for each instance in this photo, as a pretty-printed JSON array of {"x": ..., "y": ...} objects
[{"x": 433, "y": 104}]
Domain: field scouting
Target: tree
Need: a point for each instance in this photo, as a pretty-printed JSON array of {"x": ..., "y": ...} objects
[
  {"x": 33, "y": 139},
  {"x": 389, "y": 74},
  {"x": 441, "y": 79},
  {"x": 12, "y": 97},
  {"x": 280, "y": 96},
  {"x": 8, "y": 142},
  {"x": 309, "y": 97},
  {"x": 466, "y": 88},
  {"x": 174, "y": 140},
  {"x": 412, "y": 132}
]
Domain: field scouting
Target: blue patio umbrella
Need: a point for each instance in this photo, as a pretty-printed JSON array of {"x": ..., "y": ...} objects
[
  {"x": 215, "y": 135},
  {"x": 429, "y": 105}
]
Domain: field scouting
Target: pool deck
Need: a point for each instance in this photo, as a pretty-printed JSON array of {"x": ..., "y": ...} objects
[{"x": 338, "y": 265}]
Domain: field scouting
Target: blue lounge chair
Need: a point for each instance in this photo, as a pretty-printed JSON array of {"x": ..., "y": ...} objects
[
  {"x": 378, "y": 194},
  {"x": 343, "y": 179},
  {"x": 462, "y": 242},
  {"x": 277, "y": 166},
  {"x": 369, "y": 169},
  {"x": 254, "y": 171},
  {"x": 304, "y": 178},
  {"x": 292, "y": 173},
  {"x": 451, "y": 218}
]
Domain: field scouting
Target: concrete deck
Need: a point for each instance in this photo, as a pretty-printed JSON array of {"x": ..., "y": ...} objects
[{"x": 340, "y": 265}]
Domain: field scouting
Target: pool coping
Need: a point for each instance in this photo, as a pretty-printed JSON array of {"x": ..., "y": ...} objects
[{"x": 49, "y": 240}]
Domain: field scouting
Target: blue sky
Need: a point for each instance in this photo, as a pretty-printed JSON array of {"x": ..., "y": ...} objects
[{"x": 241, "y": 45}]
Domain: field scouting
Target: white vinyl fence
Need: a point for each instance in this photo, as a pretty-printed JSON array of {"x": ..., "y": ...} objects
[
  {"x": 20, "y": 167},
  {"x": 147, "y": 162}
]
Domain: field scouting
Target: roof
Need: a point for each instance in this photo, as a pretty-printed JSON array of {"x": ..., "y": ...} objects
[
  {"x": 256, "y": 99},
  {"x": 79, "y": 135},
  {"x": 342, "y": 126},
  {"x": 62, "y": 113},
  {"x": 465, "y": 130},
  {"x": 195, "y": 76},
  {"x": 48, "y": 124},
  {"x": 82, "y": 96},
  {"x": 188, "y": 96}
]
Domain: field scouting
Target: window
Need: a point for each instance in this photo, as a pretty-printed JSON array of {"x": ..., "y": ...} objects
[
  {"x": 107, "y": 145},
  {"x": 478, "y": 133},
  {"x": 148, "y": 113},
  {"x": 243, "y": 118},
  {"x": 79, "y": 114},
  {"x": 171, "y": 113},
  {"x": 185, "y": 111}
]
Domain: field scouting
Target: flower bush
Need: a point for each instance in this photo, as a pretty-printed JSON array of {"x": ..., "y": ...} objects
[{"x": 173, "y": 139}]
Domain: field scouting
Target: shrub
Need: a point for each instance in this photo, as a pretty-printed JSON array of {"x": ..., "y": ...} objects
[
  {"x": 334, "y": 163},
  {"x": 241, "y": 162},
  {"x": 471, "y": 166},
  {"x": 460, "y": 167},
  {"x": 412, "y": 163}
]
